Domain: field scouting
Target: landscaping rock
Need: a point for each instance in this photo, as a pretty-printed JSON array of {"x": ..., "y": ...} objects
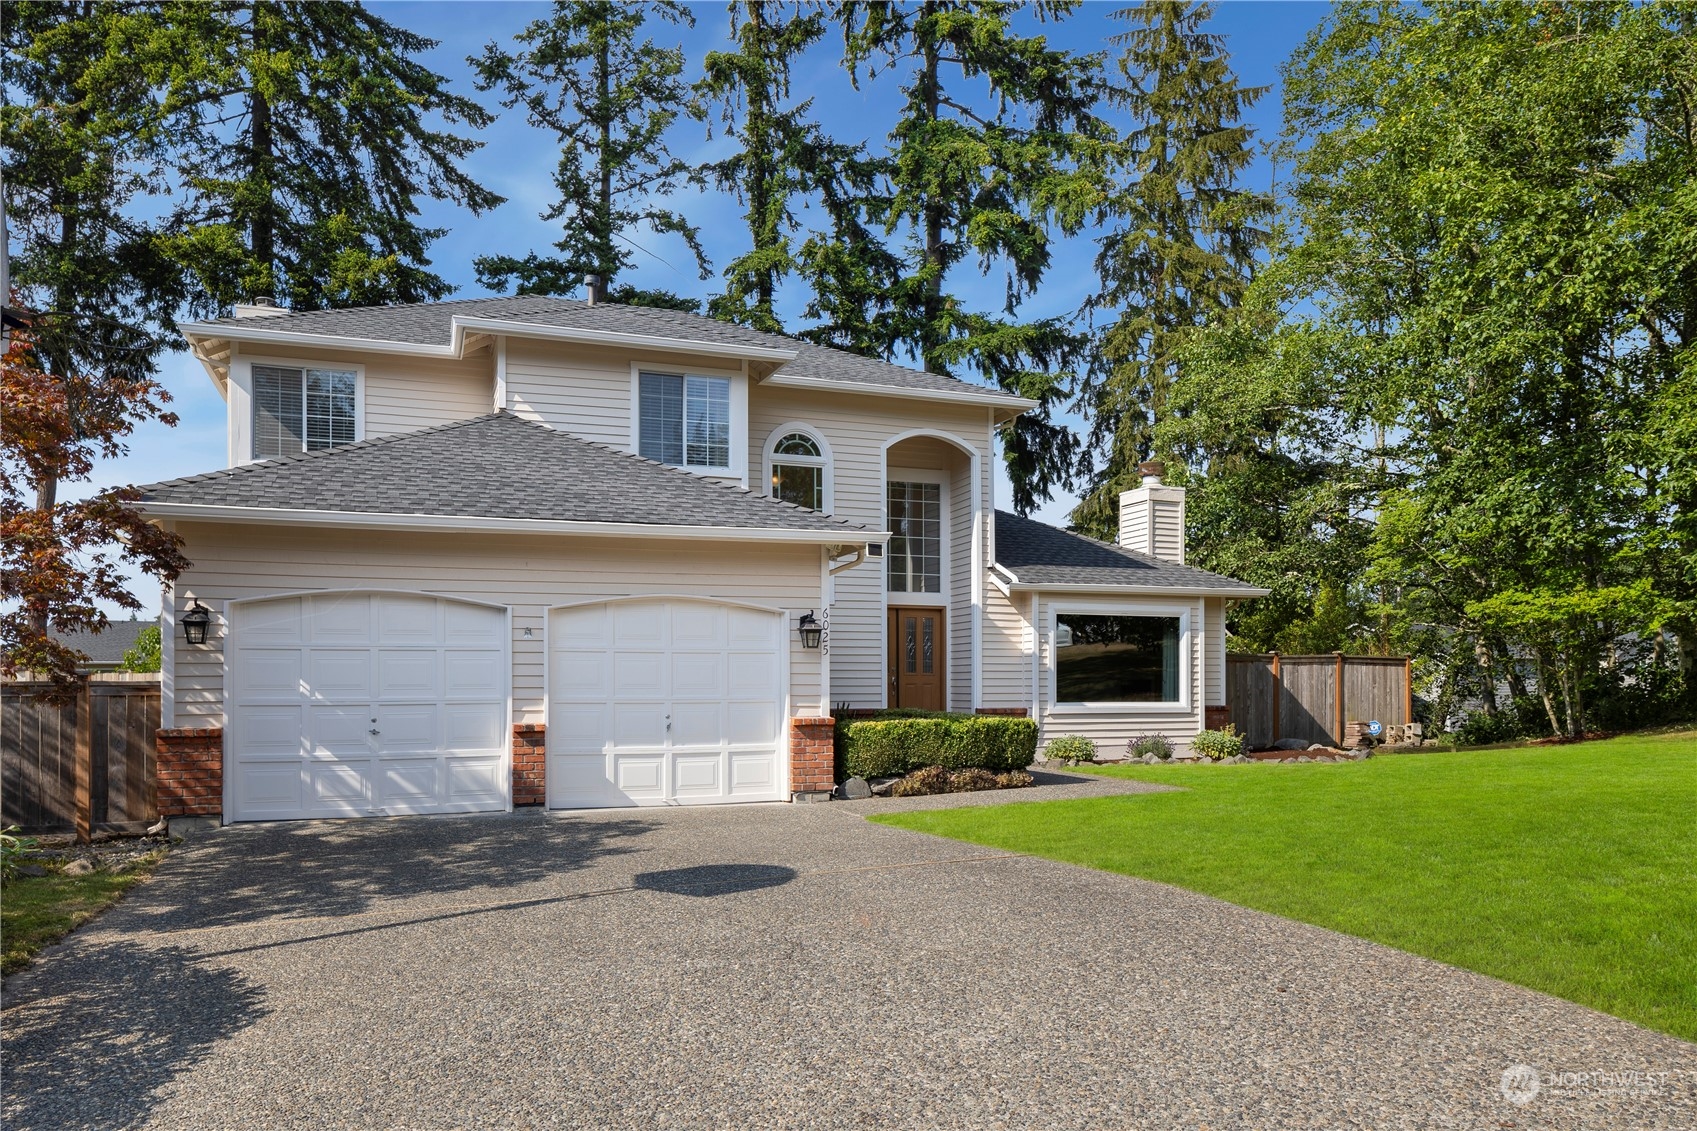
[
  {"x": 1150, "y": 759},
  {"x": 1291, "y": 744},
  {"x": 855, "y": 789},
  {"x": 1305, "y": 758},
  {"x": 31, "y": 870},
  {"x": 1316, "y": 746},
  {"x": 79, "y": 868},
  {"x": 881, "y": 786}
]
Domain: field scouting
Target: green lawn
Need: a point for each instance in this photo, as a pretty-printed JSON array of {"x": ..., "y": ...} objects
[
  {"x": 1569, "y": 869},
  {"x": 36, "y": 911}
]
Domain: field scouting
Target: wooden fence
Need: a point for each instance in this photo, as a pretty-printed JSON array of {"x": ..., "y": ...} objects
[
  {"x": 1314, "y": 697},
  {"x": 82, "y": 766}
]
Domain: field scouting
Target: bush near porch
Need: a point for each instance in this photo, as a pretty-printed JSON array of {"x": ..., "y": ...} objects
[{"x": 897, "y": 742}]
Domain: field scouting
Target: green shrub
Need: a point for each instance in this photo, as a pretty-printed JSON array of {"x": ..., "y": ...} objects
[
  {"x": 14, "y": 850},
  {"x": 922, "y": 783},
  {"x": 971, "y": 781},
  {"x": 1014, "y": 779},
  {"x": 1070, "y": 748},
  {"x": 895, "y": 743},
  {"x": 1217, "y": 744},
  {"x": 1157, "y": 744}
]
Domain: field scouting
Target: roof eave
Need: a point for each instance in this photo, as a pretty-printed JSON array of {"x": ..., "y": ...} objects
[
  {"x": 369, "y": 520},
  {"x": 1244, "y": 592},
  {"x": 1006, "y": 401},
  {"x": 519, "y": 329}
]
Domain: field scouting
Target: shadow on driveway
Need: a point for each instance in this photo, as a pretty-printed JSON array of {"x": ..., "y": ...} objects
[
  {"x": 246, "y": 875},
  {"x": 715, "y": 879},
  {"x": 98, "y": 1053}
]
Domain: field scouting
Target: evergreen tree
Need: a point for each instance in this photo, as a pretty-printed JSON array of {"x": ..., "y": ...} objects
[
  {"x": 306, "y": 144},
  {"x": 583, "y": 74},
  {"x": 971, "y": 183},
  {"x": 1185, "y": 238},
  {"x": 782, "y": 154}
]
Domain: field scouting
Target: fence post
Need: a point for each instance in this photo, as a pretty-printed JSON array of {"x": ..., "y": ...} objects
[
  {"x": 1407, "y": 690},
  {"x": 83, "y": 763},
  {"x": 1341, "y": 711},
  {"x": 1277, "y": 695}
]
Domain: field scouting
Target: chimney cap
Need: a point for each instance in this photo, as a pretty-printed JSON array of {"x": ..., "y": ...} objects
[{"x": 1151, "y": 469}]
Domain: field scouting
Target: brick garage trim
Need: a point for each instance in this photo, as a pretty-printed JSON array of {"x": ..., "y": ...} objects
[
  {"x": 530, "y": 758},
  {"x": 189, "y": 770},
  {"x": 812, "y": 755},
  {"x": 1218, "y": 717}
]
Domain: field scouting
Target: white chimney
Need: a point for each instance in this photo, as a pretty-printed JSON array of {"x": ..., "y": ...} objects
[
  {"x": 263, "y": 306},
  {"x": 1152, "y": 516}
]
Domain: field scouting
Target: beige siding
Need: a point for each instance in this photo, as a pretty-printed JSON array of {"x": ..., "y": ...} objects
[
  {"x": 857, "y": 428},
  {"x": 1110, "y": 729},
  {"x": 578, "y": 389},
  {"x": 526, "y": 573},
  {"x": 1006, "y": 678},
  {"x": 404, "y": 394},
  {"x": 1215, "y": 655}
]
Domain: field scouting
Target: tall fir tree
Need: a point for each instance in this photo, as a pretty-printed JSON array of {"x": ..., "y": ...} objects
[
  {"x": 972, "y": 182},
  {"x": 307, "y": 140},
  {"x": 609, "y": 96},
  {"x": 1184, "y": 241},
  {"x": 781, "y": 153}
]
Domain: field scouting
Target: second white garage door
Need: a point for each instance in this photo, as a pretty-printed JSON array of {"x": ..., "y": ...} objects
[{"x": 665, "y": 702}]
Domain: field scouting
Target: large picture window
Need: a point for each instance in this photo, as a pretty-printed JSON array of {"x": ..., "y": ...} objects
[
  {"x": 298, "y": 409},
  {"x": 1117, "y": 659},
  {"x": 915, "y": 554},
  {"x": 685, "y": 421}
]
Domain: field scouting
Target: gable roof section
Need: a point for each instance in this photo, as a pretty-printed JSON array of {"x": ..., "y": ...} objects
[
  {"x": 106, "y": 649},
  {"x": 431, "y": 326},
  {"x": 1038, "y": 556},
  {"x": 490, "y": 472}
]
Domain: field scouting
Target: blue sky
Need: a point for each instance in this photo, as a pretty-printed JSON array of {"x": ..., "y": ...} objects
[{"x": 517, "y": 161}]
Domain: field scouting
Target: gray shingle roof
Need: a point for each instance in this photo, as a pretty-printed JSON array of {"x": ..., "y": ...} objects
[
  {"x": 106, "y": 649},
  {"x": 432, "y": 324},
  {"x": 494, "y": 466},
  {"x": 1040, "y": 554}
]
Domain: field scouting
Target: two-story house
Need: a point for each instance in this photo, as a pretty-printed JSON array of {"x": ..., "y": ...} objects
[{"x": 467, "y": 555}]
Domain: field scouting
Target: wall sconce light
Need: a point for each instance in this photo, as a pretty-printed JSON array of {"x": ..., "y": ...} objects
[
  {"x": 810, "y": 630},
  {"x": 195, "y": 623}
]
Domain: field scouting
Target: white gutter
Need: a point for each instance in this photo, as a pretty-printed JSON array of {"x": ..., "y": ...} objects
[
  {"x": 232, "y": 332},
  {"x": 965, "y": 396},
  {"x": 427, "y": 522},
  {"x": 1242, "y": 592},
  {"x": 617, "y": 338}
]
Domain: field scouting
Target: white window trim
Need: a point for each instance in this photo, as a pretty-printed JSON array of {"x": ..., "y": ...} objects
[
  {"x": 826, "y": 460},
  {"x": 1187, "y": 657},
  {"x": 920, "y": 475},
  {"x": 738, "y": 467},
  {"x": 240, "y": 398}
]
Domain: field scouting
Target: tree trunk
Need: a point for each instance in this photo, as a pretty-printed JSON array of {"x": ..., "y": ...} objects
[
  {"x": 760, "y": 188},
  {"x": 1482, "y": 652},
  {"x": 606, "y": 254},
  {"x": 1544, "y": 692},
  {"x": 932, "y": 215},
  {"x": 261, "y": 142}
]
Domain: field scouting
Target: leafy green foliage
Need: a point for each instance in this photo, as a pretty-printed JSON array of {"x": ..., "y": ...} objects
[
  {"x": 583, "y": 74},
  {"x": 1157, "y": 744},
  {"x": 14, "y": 849},
  {"x": 924, "y": 782},
  {"x": 888, "y": 747},
  {"x": 143, "y": 655},
  {"x": 1216, "y": 745},
  {"x": 1070, "y": 749}
]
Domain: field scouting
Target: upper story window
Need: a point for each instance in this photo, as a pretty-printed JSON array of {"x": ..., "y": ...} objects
[
  {"x": 685, "y": 421},
  {"x": 301, "y": 409},
  {"x": 915, "y": 554},
  {"x": 800, "y": 470}
]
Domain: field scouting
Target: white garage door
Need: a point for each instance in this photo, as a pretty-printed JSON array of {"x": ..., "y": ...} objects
[
  {"x": 360, "y": 704},
  {"x": 665, "y": 702}
]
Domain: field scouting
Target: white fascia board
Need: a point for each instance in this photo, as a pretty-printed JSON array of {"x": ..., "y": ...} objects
[
  {"x": 427, "y": 522},
  {"x": 1138, "y": 590},
  {"x": 966, "y": 396},
  {"x": 236, "y": 333},
  {"x": 616, "y": 338}
]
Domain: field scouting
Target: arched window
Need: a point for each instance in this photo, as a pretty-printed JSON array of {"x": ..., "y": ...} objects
[{"x": 800, "y": 468}]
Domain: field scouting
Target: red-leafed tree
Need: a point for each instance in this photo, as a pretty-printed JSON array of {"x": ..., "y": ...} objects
[{"x": 62, "y": 560}]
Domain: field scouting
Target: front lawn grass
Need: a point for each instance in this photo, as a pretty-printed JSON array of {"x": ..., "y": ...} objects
[
  {"x": 1568, "y": 869},
  {"x": 37, "y": 911}
]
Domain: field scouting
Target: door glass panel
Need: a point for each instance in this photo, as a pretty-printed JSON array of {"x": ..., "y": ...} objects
[
  {"x": 909, "y": 646},
  {"x": 926, "y": 662}
]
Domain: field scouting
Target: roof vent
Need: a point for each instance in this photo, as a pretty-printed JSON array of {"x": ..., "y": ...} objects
[
  {"x": 262, "y": 306},
  {"x": 592, "y": 284}
]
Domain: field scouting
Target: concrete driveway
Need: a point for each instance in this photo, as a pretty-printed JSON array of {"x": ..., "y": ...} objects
[{"x": 761, "y": 966}]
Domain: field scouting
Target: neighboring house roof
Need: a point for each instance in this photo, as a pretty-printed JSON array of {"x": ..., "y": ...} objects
[
  {"x": 433, "y": 325},
  {"x": 1039, "y": 556},
  {"x": 507, "y": 472},
  {"x": 106, "y": 649}
]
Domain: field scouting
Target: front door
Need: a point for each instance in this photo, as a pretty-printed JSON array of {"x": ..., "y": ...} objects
[{"x": 916, "y": 657}]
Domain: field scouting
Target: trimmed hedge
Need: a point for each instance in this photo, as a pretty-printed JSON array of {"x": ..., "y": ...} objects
[{"x": 895, "y": 743}]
